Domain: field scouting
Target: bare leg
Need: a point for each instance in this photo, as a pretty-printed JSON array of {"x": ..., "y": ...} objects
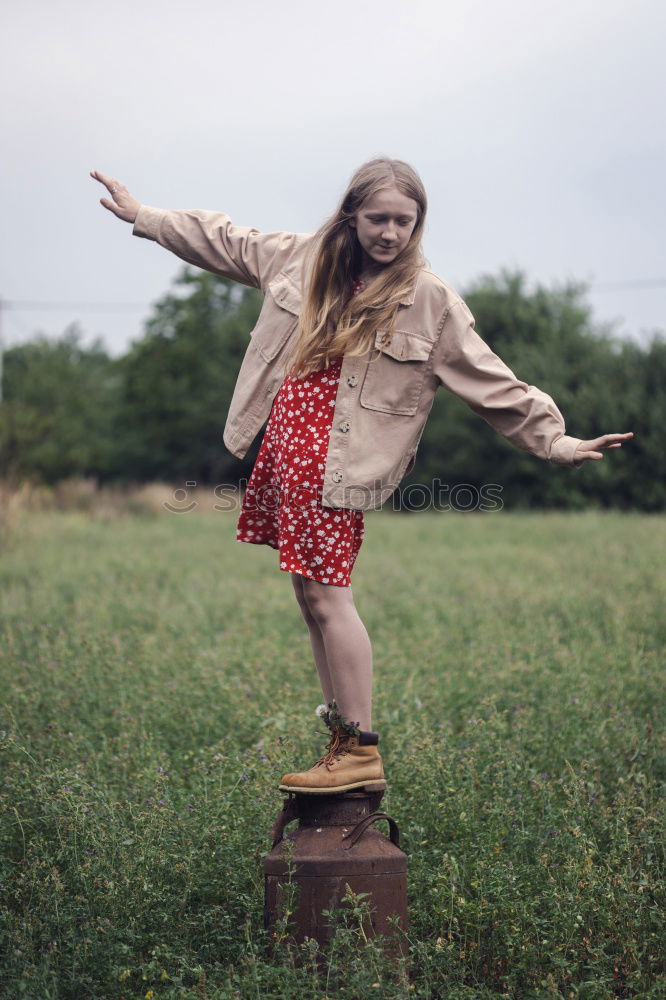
[
  {"x": 347, "y": 647},
  {"x": 316, "y": 639}
]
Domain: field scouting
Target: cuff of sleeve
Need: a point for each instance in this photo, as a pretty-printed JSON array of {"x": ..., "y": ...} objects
[
  {"x": 147, "y": 222},
  {"x": 562, "y": 451}
]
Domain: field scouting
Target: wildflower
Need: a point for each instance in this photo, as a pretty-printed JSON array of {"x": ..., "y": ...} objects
[
  {"x": 320, "y": 710},
  {"x": 332, "y": 718}
]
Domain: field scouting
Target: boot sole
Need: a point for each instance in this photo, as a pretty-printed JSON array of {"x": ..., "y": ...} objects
[{"x": 378, "y": 785}]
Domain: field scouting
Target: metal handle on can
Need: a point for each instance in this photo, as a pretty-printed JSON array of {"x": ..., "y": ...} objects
[
  {"x": 286, "y": 815},
  {"x": 354, "y": 835}
]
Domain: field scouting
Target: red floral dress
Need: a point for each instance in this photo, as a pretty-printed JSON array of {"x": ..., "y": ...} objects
[{"x": 282, "y": 503}]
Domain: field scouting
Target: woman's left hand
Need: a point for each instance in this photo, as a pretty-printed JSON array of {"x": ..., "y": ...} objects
[{"x": 590, "y": 449}]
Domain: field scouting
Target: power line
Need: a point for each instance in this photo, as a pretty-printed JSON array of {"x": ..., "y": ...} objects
[
  {"x": 134, "y": 306},
  {"x": 631, "y": 283},
  {"x": 93, "y": 306},
  {"x": 119, "y": 307}
]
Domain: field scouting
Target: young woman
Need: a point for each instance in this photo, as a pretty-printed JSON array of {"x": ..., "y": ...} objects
[{"x": 354, "y": 338}]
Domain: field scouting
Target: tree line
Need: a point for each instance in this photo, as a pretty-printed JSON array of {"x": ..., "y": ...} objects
[{"x": 157, "y": 412}]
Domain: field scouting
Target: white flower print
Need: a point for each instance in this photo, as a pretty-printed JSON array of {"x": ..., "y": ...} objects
[{"x": 303, "y": 533}]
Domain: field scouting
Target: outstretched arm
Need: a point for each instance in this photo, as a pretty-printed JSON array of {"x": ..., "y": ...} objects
[
  {"x": 523, "y": 414},
  {"x": 207, "y": 239}
]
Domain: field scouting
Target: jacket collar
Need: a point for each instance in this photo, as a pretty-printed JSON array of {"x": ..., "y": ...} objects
[{"x": 408, "y": 297}]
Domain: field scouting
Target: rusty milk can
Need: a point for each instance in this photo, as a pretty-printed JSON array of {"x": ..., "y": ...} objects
[{"x": 334, "y": 845}]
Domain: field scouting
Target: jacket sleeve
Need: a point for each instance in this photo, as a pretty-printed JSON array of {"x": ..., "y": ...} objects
[
  {"x": 211, "y": 241},
  {"x": 523, "y": 414}
]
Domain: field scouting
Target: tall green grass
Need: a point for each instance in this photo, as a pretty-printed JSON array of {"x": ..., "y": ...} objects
[{"x": 157, "y": 680}]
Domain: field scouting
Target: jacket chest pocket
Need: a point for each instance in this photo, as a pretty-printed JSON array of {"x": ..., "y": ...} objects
[
  {"x": 278, "y": 317},
  {"x": 394, "y": 380}
]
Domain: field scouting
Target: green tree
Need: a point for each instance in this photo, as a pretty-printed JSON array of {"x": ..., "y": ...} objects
[
  {"x": 59, "y": 402},
  {"x": 548, "y": 338},
  {"x": 179, "y": 378}
]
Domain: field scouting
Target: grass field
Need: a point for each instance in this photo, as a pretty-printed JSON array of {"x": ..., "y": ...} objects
[{"x": 157, "y": 680}]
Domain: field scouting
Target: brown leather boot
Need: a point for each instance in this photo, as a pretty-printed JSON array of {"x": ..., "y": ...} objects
[{"x": 351, "y": 762}]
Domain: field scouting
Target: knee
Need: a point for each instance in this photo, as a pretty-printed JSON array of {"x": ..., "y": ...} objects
[{"x": 322, "y": 600}]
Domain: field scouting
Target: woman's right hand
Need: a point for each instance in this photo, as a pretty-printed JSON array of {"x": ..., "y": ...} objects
[{"x": 123, "y": 204}]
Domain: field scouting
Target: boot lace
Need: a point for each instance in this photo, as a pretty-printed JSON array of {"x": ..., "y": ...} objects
[{"x": 335, "y": 749}]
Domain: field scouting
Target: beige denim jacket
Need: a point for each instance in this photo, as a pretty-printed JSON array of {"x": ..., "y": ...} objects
[{"x": 385, "y": 396}]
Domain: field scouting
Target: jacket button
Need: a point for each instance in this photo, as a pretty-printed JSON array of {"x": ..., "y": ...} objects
[
  {"x": 344, "y": 426},
  {"x": 352, "y": 381},
  {"x": 337, "y": 476}
]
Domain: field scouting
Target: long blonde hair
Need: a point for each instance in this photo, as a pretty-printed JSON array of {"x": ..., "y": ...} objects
[{"x": 332, "y": 322}]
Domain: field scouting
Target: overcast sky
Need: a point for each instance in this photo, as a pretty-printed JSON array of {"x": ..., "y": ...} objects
[{"x": 538, "y": 128}]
